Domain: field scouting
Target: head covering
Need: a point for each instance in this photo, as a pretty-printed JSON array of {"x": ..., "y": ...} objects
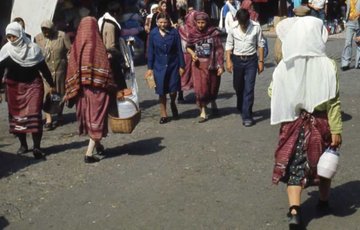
[
  {"x": 47, "y": 24},
  {"x": 153, "y": 6},
  {"x": 88, "y": 62},
  {"x": 301, "y": 10},
  {"x": 305, "y": 77},
  {"x": 189, "y": 24},
  {"x": 247, "y": 5},
  {"x": 22, "y": 51},
  {"x": 195, "y": 34},
  {"x": 201, "y": 16}
]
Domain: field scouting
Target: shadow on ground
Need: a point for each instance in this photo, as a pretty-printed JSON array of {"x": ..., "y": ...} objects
[
  {"x": 3, "y": 222},
  {"x": 344, "y": 201},
  {"x": 139, "y": 148},
  {"x": 65, "y": 147},
  {"x": 11, "y": 163},
  {"x": 345, "y": 116}
]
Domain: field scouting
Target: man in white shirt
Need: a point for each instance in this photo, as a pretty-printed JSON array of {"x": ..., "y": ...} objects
[
  {"x": 244, "y": 57},
  {"x": 318, "y": 8}
]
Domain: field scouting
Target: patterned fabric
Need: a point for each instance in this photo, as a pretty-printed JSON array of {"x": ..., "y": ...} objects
[
  {"x": 91, "y": 112},
  {"x": 24, "y": 105},
  {"x": 317, "y": 137},
  {"x": 88, "y": 61}
]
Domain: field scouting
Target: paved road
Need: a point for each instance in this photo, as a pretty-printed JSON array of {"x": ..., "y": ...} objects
[{"x": 182, "y": 175}]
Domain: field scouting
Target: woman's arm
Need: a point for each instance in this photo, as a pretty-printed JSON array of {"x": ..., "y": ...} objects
[{"x": 43, "y": 68}]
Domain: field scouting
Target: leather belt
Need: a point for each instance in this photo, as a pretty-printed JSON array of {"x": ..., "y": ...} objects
[{"x": 245, "y": 57}]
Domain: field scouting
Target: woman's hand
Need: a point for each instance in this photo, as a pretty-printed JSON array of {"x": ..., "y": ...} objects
[
  {"x": 149, "y": 72},
  {"x": 335, "y": 140},
  {"x": 181, "y": 71},
  {"x": 220, "y": 71},
  {"x": 194, "y": 57}
]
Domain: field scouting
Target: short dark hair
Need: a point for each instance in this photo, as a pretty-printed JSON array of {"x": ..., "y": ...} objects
[{"x": 242, "y": 16}]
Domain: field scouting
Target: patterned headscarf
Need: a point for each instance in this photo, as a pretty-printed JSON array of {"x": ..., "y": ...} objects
[
  {"x": 88, "y": 62},
  {"x": 195, "y": 34}
]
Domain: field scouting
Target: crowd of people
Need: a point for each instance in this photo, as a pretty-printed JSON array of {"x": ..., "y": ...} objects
[{"x": 182, "y": 56}]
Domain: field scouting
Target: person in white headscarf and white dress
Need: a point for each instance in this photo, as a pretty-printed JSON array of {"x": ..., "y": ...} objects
[{"x": 305, "y": 101}]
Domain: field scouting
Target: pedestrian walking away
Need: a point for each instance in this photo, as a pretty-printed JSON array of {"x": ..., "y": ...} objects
[
  {"x": 88, "y": 83},
  {"x": 309, "y": 112},
  {"x": 166, "y": 63},
  {"x": 205, "y": 47},
  {"x": 24, "y": 86},
  {"x": 244, "y": 57}
]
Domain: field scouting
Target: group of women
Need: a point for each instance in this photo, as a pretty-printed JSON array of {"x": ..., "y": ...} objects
[
  {"x": 195, "y": 53},
  {"x": 309, "y": 113}
]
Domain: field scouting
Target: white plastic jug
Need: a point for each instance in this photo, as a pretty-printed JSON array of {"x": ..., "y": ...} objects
[
  {"x": 328, "y": 163},
  {"x": 128, "y": 106}
]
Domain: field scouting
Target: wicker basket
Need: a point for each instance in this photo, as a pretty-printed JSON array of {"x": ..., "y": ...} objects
[{"x": 124, "y": 125}]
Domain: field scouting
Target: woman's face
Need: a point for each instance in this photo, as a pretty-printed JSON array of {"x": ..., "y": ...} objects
[
  {"x": 163, "y": 7},
  {"x": 154, "y": 10},
  {"x": 162, "y": 23},
  {"x": 11, "y": 38},
  {"x": 201, "y": 24}
]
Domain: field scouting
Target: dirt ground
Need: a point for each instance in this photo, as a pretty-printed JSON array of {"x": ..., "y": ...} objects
[{"x": 181, "y": 175}]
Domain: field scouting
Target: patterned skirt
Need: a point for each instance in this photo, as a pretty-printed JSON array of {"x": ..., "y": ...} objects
[{"x": 25, "y": 102}]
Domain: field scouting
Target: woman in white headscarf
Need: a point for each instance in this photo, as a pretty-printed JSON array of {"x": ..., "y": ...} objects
[
  {"x": 24, "y": 62},
  {"x": 305, "y": 101}
]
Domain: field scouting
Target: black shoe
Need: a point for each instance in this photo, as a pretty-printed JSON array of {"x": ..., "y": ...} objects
[
  {"x": 22, "y": 150},
  {"x": 163, "y": 120},
  {"x": 100, "y": 149},
  {"x": 294, "y": 220},
  {"x": 202, "y": 119},
  {"x": 344, "y": 68},
  {"x": 38, "y": 154},
  {"x": 248, "y": 123},
  {"x": 48, "y": 126},
  {"x": 91, "y": 159}
]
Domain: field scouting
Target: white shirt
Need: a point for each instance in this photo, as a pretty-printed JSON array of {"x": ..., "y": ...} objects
[
  {"x": 229, "y": 21},
  {"x": 318, "y": 3},
  {"x": 244, "y": 43}
]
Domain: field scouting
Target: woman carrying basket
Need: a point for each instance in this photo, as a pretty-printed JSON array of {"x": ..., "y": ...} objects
[{"x": 87, "y": 84}]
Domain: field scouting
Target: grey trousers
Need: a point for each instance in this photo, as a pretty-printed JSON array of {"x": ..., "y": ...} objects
[{"x": 350, "y": 30}]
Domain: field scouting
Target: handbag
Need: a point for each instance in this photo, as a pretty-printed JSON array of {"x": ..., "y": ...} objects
[{"x": 53, "y": 103}]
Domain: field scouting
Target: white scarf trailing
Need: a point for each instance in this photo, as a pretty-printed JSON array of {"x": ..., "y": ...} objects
[{"x": 305, "y": 77}]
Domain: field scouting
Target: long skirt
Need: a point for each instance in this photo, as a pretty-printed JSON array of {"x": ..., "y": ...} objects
[
  {"x": 186, "y": 78},
  {"x": 25, "y": 102},
  {"x": 206, "y": 83},
  {"x": 91, "y": 112},
  {"x": 301, "y": 144}
]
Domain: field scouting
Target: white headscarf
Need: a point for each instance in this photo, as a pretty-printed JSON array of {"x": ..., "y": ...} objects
[
  {"x": 153, "y": 6},
  {"x": 22, "y": 51},
  {"x": 305, "y": 77},
  {"x": 107, "y": 16}
]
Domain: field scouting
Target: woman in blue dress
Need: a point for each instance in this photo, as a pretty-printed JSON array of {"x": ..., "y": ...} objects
[{"x": 166, "y": 63}]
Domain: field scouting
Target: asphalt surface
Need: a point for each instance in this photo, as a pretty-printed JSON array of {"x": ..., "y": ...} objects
[{"x": 181, "y": 175}]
